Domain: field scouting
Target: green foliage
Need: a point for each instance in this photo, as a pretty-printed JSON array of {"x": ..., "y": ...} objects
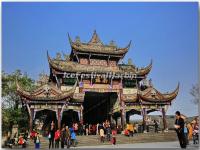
[{"x": 12, "y": 110}]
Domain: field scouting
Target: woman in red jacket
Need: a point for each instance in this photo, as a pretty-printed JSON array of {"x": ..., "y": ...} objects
[{"x": 57, "y": 138}]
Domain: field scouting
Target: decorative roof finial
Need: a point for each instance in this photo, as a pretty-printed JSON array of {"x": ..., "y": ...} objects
[
  {"x": 130, "y": 62},
  {"x": 58, "y": 56},
  {"x": 95, "y": 39},
  {"x": 70, "y": 40},
  {"x": 78, "y": 39},
  {"x": 112, "y": 43},
  {"x": 150, "y": 83}
]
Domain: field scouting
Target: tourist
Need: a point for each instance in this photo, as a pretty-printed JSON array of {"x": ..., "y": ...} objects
[
  {"x": 68, "y": 137},
  {"x": 51, "y": 136},
  {"x": 114, "y": 133},
  {"x": 73, "y": 137},
  {"x": 97, "y": 129},
  {"x": 26, "y": 135},
  {"x": 190, "y": 128},
  {"x": 80, "y": 129},
  {"x": 101, "y": 135},
  {"x": 57, "y": 138},
  {"x": 87, "y": 129},
  {"x": 22, "y": 141},
  {"x": 186, "y": 133},
  {"x": 131, "y": 129},
  {"x": 52, "y": 124},
  {"x": 83, "y": 126},
  {"x": 156, "y": 126},
  {"x": 108, "y": 133},
  {"x": 63, "y": 137},
  {"x": 195, "y": 134},
  {"x": 179, "y": 127},
  {"x": 75, "y": 126},
  {"x": 37, "y": 141},
  {"x": 126, "y": 132}
]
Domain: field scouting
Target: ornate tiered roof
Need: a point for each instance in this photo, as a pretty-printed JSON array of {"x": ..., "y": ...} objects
[
  {"x": 151, "y": 95},
  {"x": 46, "y": 92},
  {"x": 70, "y": 66},
  {"x": 96, "y": 46}
]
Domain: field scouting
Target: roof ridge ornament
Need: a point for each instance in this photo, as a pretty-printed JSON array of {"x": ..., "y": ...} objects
[
  {"x": 95, "y": 39},
  {"x": 77, "y": 40}
]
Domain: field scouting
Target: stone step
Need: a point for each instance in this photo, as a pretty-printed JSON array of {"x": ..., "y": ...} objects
[{"x": 121, "y": 139}]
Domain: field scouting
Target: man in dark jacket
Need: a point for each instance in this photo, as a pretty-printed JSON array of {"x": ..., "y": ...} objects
[
  {"x": 179, "y": 127},
  {"x": 63, "y": 137},
  {"x": 51, "y": 137}
]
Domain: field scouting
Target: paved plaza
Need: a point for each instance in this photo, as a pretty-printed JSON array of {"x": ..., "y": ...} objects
[{"x": 173, "y": 144}]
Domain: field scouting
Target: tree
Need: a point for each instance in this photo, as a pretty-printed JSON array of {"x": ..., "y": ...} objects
[
  {"x": 12, "y": 110},
  {"x": 194, "y": 91}
]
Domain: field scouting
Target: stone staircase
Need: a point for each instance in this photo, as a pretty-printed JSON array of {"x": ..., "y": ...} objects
[{"x": 92, "y": 140}]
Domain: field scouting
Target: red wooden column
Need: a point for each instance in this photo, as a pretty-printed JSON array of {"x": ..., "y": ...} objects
[
  {"x": 31, "y": 113},
  {"x": 81, "y": 114},
  {"x": 31, "y": 119},
  {"x": 164, "y": 119},
  {"x": 59, "y": 117},
  {"x": 123, "y": 114},
  {"x": 144, "y": 118}
]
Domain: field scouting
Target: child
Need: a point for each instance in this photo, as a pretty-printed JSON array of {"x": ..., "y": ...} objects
[
  {"x": 186, "y": 133},
  {"x": 114, "y": 133},
  {"x": 37, "y": 141}
]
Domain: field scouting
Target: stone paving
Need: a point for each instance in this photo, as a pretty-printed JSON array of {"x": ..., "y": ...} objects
[{"x": 144, "y": 140}]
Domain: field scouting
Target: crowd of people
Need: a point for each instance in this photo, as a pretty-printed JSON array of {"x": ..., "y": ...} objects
[
  {"x": 186, "y": 132},
  {"x": 106, "y": 131}
]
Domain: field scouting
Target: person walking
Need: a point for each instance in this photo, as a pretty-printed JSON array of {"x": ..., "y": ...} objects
[
  {"x": 51, "y": 136},
  {"x": 63, "y": 137},
  {"x": 156, "y": 126},
  {"x": 190, "y": 128},
  {"x": 179, "y": 127},
  {"x": 57, "y": 138},
  {"x": 37, "y": 141},
  {"x": 73, "y": 138},
  {"x": 186, "y": 133},
  {"x": 68, "y": 137}
]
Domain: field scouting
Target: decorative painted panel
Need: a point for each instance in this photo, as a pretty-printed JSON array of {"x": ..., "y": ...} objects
[
  {"x": 129, "y": 90},
  {"x": 84, "y": 61},
  {"x": 113, "y": 63},
  {"x": 98, "y": 62}
]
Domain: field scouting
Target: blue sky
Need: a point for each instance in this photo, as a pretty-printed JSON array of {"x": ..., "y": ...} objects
[{"x": 164, "y": 32}]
